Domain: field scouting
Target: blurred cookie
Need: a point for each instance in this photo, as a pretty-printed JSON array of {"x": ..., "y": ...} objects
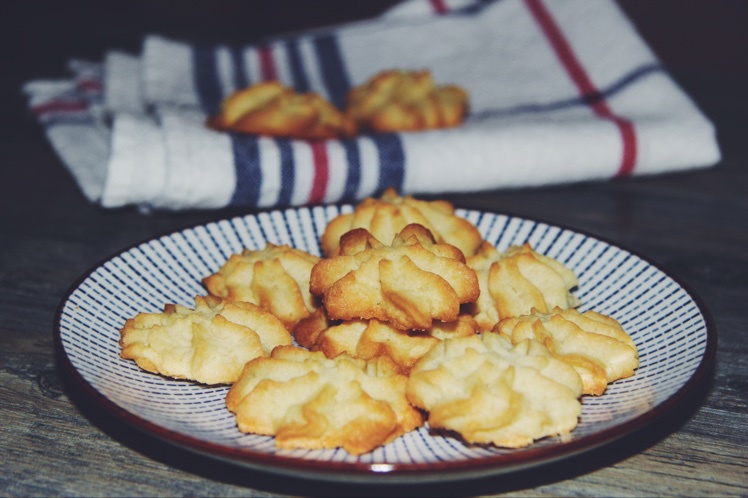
[
  {"x": 388, "y": 215},
  {"x": 275, "y": 278},
  {"x": 272, "y": 109},
  {"x": 406, "y": 101},
  {"x": 489, "y": 391},
  {"x": 308, "y": 401},
  {"x": 408, "y": 284},
  {"x": 595, "y": 345},
  {"x": 518, "y": 280},
  {"x": 209, "y": 344}
]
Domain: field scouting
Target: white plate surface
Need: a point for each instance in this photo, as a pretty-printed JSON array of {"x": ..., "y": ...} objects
[{"x": 673, "y": 334}]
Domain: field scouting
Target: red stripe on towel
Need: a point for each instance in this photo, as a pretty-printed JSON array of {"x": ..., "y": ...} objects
[
  {"x": 585, "y": 86},
  {"x": 90, "y": 85},
  {"x": 439, "y": 7},
  {"x": 267, "y": 64},
  {"x": 59, "y": 106},
  {"x": 321, "y": 171}
]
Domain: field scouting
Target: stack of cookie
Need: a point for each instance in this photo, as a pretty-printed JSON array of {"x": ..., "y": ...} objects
[{"x": 409, "y": 317}]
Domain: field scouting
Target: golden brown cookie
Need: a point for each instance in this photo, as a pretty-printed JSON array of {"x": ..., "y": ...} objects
[
  {"x": 308, "y": 330},
  {"x": 406, "y": 101},
  {"x": 407, "y": 284},
  {"x": 489, "y": 391},
  {"x": 209, "y": 344},
  {"x": 308, "y": 401},
  {"x": 271, "y": 109},
  {"x": 518, "y": 280},
  {"x": 275, "y": 278},
  {"x": 368, "y": 339},
  {"x": 595, "y": 345},
  {"x": 386, "y": 216}
]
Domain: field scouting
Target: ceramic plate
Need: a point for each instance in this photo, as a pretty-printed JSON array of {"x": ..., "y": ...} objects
[{"x": 674, "y": 335}]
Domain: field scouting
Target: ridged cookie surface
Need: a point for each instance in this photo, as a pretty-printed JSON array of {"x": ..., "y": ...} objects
[
  {"x": 275, "y": 278},
  {"x": 594, "y": 344},
  {"x": 518, "y": 280},
  {"x": 209, "y": 344},
  {"x": 386, "y": 216},
  {"x": 407, "y": 284},
  {"x": 368, "y": 339},
  {"x": 308, "y": 401},
  {"x": 489, "y": 391}
]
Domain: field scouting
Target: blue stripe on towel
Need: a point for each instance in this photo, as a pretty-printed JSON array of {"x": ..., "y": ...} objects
[
  {"x": 248, "y": 172},
  {"x": 205, "y": 72},
  {"x": 288, "y": 171},
  {"x": 300, "y": 79},
  {"x": 333, "y": 69},
  {"x": 619, "y": 86},
  {"x": 241, "y": 75},
  {"x": 391, "y": 161},
  {"x": 353, "y": 179}
]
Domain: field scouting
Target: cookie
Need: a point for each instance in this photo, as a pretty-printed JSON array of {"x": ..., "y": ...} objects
[
  {"x": 518, "y": 280},
  {"x": 271, "y": 109},
  {"x": 275, "y": 278},
  {"x": 209, "y": 344},
  {"x": 490, "y": 392},
  {"x": 387, "y": 215},
  {"x": 407, "y": 284},
  {"x": 396, "y": 100},
  {"x": 309, "y": 401},
  {"x": 368, "y": 339},
  {"x": 594, "y": 344}
]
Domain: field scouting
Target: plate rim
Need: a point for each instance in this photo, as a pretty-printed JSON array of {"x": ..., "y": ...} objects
[{"x": 378, "y": 473}]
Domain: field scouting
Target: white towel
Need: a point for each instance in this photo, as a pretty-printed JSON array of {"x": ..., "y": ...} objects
[{"x": 560, "y": 92}]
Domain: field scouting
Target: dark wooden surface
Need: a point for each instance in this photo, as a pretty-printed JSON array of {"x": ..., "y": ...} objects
[{"x": 54, "y": 442}]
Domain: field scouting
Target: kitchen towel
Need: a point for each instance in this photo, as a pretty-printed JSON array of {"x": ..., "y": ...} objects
[{"x": 560, "y": 92}]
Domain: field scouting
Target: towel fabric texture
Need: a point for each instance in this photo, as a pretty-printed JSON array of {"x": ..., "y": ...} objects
[{"x": 560, "y": 92}]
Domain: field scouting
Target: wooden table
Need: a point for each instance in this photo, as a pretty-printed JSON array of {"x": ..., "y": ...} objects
[{"x": 53, "y": 441}]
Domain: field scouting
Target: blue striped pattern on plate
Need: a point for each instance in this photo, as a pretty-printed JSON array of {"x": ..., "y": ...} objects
[{"x": 666, "y": 323}]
